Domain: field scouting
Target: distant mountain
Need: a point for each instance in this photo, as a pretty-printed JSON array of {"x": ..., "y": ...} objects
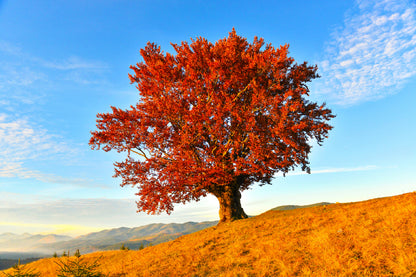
[
  {"x": 131, "y": 237},
  {"x": 292, "y": 207},
  {"x": 121, "y": 234},
  {"x": 27, "y": 242},
  {"x": 29, "y": 247},
  {"x": 11, "y": 236},
  {"x": 13, "y": 246}
]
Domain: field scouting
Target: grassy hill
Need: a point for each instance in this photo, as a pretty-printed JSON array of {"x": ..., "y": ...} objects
[
  {"x": 292, "y": 207},
  {"x": 370, "y": 238}
]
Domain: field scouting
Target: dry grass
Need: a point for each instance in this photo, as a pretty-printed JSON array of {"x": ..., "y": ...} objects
[{"x": 370, "y": 238}]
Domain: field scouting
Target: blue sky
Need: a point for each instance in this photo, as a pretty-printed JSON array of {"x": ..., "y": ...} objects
[{"x": 62, "y": 62}]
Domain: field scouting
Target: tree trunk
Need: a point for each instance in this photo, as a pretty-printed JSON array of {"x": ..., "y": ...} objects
[{"x": 230, "y": 205}]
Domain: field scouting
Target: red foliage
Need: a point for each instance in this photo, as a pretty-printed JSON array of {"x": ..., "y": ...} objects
[{"x": 211, "y": 117}]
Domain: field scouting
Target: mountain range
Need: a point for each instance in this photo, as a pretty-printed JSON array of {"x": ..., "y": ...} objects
[
  {"x": 27, "y": 242},
  {"x": 13, "y": 246}
]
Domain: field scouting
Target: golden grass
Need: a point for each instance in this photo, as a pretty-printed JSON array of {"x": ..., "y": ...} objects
[{"x": 370, "y": 238}]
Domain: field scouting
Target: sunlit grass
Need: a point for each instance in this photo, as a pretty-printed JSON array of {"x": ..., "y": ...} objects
[{"x": 370, "y": 238}]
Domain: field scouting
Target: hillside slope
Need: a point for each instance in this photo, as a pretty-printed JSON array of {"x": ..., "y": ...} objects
[
  {"x": 370, "y": 238},
  {"x": 293, "y": 207}
]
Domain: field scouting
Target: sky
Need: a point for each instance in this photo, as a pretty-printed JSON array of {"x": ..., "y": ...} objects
[{"x": 62, "y": 62}]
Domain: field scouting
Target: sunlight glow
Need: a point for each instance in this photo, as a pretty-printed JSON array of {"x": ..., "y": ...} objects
[{"x": 58, "y": 229}]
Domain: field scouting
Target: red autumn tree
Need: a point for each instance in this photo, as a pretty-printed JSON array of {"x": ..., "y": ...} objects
[{"x": 213, "y": 119}]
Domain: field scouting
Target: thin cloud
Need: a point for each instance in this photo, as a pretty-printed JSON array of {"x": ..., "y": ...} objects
[
  {"x": 25, "y": 80},
  {"x": 57, "y": 229},
  {"x": 21, "y": 69},
  {"x": 10, "y": 48},
  {"x": 336, "y": 170},
  {"x": 15, "y": 75},
  {"x": 70, "y": 63},
  {"x": 344, "y": 169},
  {"x": 372, "y": 55},
  {"x": 16, "y": 170},
  {"x": 20, "y": 140},
  {"x": 73, "y": 63}
]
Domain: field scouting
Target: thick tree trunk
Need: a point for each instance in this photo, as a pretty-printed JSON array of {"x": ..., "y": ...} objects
[{"x": 230, "y": 205}]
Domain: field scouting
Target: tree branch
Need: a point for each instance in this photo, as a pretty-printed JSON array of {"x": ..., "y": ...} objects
[{"x": 140, "y": 154}]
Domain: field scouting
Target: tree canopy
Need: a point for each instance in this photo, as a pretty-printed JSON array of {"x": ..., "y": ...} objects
[{"x": 213, "y": 119}]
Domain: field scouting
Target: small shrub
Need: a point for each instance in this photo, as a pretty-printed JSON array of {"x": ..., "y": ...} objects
[
  {"x": 78, "y": 267},
  {"x": 77, "y": 253}
]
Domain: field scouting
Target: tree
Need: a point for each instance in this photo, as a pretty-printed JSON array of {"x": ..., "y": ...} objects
[
  {"x": 77, "y": 253},
  {"x": 77, "y": 267},
  {"x": 213, "y": 119}
]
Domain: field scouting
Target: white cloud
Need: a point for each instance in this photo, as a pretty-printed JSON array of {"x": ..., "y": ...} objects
[
  {"x": 372, "y": 55},
  {"x": 15, "y": 76},
  {"x": 335, "y": 170},
  {"x": 74, "y": 62},
  {"x": 344, "y": 169},
  {"x": 25, "y": 83},
  {"x": 20, "y": 140},
  {"x": 21, "y": 69},
  {"x": 10, "y": 48},
  {"x": 12, "y": 169}
]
